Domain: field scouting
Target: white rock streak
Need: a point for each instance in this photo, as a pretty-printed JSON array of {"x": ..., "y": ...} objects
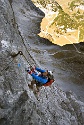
[{"x": 5, "y": 44}]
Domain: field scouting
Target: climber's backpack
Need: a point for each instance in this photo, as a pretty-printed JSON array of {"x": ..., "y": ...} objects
[{"x": 50, "y": 79}]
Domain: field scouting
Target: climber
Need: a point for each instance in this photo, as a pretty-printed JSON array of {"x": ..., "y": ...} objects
[{"x": 45, "y": 78}]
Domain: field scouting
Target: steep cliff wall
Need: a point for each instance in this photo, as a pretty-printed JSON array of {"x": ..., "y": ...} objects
[{"x": 19, "y": 25}]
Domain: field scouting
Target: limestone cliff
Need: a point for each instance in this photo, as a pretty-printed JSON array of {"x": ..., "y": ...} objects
[{"x": 19, "y": 26}]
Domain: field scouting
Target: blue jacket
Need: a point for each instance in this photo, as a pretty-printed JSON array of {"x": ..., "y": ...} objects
[{"x": 39, "y": 78}]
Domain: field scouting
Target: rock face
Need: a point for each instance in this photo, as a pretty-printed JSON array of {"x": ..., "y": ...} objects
[{"x": 19, "y": 26}]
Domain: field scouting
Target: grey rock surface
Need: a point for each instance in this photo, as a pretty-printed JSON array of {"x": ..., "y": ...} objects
[{"x": 19, "y": 26}]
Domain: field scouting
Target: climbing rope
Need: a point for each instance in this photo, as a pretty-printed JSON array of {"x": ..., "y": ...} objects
[
  {"x": 20, "y": 52},
  {"x": 7, "y": 66},
  {"x": 14, "y": 56},
  {"x": 26, "y": 60},
  {"x": 26, "y": 49}
]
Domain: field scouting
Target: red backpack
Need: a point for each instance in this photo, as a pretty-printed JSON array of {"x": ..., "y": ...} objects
[
  {"x": 50, "y": 79},
  {"x": 49, "y": 82}
]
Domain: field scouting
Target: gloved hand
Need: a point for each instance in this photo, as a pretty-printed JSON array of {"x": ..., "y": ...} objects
[
  {"x": 29, "y": 71},
  {"x": 32, "y": 68}
]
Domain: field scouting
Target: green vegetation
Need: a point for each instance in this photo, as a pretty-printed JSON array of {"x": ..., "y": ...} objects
[
  {"x": 78, "y": 16},
  {"x": 72, "y": 20},
  {"x": 81, "y": 28},
  {"x": 63, "y": 19},
  {"x": 75, "y": 3},
  {"x": 44, "y": 3},
  {"x": 72, "y": 5}
]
